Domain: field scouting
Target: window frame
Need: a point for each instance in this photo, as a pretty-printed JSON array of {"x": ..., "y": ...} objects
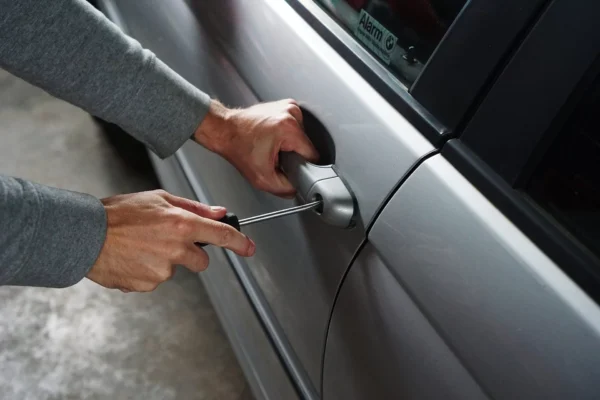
[
  {"x": 434, "y": 104},
  {"x": 499, "y": 156},
  {"x": 475, "y": 47}
]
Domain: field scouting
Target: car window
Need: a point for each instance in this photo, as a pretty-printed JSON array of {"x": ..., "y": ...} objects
[
  {"x": 567, "y": 181},
  {"x": 402, "y": 34}
]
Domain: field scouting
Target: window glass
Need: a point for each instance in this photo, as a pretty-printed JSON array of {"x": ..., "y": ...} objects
[
  {"x": 401, "y": 34},
  {"x": 567, "y": 181}
]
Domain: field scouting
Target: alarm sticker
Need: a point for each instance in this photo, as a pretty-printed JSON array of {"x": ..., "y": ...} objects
[{"x": 375, "y": 36}]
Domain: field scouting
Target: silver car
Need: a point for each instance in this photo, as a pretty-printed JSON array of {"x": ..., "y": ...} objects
[{"x": 456, "y": 255}]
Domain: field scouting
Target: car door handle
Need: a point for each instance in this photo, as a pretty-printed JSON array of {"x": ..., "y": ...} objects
[{"x": 320, "y": 182}]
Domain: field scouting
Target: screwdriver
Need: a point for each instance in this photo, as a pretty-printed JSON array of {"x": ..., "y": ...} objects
[{"x": 232, "y": 219}]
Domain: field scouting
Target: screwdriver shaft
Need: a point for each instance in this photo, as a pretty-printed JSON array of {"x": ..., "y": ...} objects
[{"x": 280, "y": 213}]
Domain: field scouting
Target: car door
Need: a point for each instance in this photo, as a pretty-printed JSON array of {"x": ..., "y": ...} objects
[
  {"x": 295, "y": 274},
  {"x": 480, "y": 278},
  {"x": 370, "y": 108}
]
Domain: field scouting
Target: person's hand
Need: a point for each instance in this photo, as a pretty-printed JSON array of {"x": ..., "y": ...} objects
[
  {"x": 252, "y": 138},
  {"x": 151, "y": 232}
]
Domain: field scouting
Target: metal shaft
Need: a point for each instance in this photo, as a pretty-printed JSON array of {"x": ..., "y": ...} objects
[{"x": 280, "y": 213}]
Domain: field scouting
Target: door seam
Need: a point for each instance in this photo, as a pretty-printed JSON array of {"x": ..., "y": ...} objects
[{"x": 357, "y": 252}]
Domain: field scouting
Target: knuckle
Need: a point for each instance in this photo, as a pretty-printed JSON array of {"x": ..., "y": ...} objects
[
  {"x": 183, "y": 226},
  {"x": 286, "y": 120},
  {"x": 177, "y": 253},
  {"x": 225, "y": 235},
  {"x": 180, "y": 223},
  {"x": 290, "y": 120}
]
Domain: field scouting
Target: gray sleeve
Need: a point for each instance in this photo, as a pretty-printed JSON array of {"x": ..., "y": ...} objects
[
  {"x": 49, "y": 237},
  {"x": 72, "y": 51}
]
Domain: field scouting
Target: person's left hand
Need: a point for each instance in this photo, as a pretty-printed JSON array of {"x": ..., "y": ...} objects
[{"x": 252, "y": 138}]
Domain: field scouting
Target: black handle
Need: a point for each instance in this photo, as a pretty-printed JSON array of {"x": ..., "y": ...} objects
[{"x": 229, "y": 219}]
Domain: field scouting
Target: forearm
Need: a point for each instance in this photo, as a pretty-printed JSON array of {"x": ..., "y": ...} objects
[
  {"x": 48, "y": 237},
  {"x": 72, "y": 51}
]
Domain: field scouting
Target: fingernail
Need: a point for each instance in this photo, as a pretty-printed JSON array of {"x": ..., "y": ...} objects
[
  {"x": 217, "y": 208},
  {"x": 252, "y": 248}
]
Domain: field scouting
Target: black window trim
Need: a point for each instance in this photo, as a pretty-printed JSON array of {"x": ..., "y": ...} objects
[
  {"x": 476, "y": 46},
  {"x": 497, "y": 150},
  {"x": 443, "y": 94},
  {"x": 534, "y": 87}
]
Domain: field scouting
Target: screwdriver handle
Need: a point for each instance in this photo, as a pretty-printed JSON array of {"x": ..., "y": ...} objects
[{"x": 229, "y": 219}]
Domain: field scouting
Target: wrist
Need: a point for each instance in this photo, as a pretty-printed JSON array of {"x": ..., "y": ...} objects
[{"x": 216, "y": 129}]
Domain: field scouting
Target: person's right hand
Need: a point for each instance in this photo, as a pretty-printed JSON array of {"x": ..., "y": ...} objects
[
  {"x": 151, "y": 232},
  {"x": 252, "y": 138}
]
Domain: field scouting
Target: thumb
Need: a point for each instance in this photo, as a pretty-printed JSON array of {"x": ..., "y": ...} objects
[{"x": 197, "y": 208}]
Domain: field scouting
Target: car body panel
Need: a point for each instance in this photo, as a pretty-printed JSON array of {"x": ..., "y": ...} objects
[
  {"x": 300, "y": 260},
  {"x": 375, "y": 146},
  {"x": 251, "y": 344},
  {"x": 381, "y": 346},
  {"x": 519, "y": 325},
  {"x": 447, "y": 288}
]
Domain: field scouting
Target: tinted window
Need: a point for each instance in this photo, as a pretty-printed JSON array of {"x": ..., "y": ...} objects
[
  {"x": 567, "y": 182},
  {"x": 401, "y": 34}
]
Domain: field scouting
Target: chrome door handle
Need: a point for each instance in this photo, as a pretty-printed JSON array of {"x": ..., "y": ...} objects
[{"x": 320, "y": 182}]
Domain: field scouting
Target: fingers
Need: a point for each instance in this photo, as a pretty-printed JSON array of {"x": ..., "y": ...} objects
[
  {"x": 140, "y": 287},
  {"x": 155, "y": 275},
  {"x": 281, "y": 186},
  {"x": 295, "y": 112},
  {"x": 195, "y": 259},
  {"x": 299, "y": 143},
  {"x": 295, "y": 139},
  {"x": 195, "y": 207},
  {"x": 275, "y": 182},
  {"x": 191, "y": 257},
  {"x": 223, "y": 235},
  {"x": 302, "y": 145}
]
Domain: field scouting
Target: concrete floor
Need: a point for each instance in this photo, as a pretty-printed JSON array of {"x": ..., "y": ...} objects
[{"x": 87, "y": 342}]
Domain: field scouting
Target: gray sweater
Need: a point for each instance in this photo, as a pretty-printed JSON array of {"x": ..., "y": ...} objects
[{"x": 51, "y": 237}]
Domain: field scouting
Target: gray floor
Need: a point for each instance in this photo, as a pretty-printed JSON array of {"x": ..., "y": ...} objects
[{"x": 86, "y": 342}]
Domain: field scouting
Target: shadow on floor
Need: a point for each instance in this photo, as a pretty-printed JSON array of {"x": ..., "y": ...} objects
[{"x": 87, "y": 342}]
